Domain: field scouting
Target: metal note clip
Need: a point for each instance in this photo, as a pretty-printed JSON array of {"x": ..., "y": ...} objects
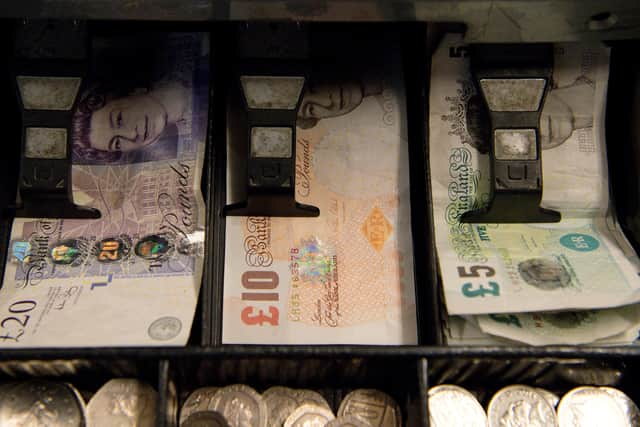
[
  {"x": 270, "y": 80},
  {"x": 49, "y": 71},
  {"x": 513, "y": 80}
]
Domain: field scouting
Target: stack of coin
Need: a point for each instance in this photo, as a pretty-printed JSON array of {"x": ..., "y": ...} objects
[
  {"x": 37, "y": 403},
  {"x": 450, "y": 405},
  {"x": 521, "y": 405},
  {"x": 240, "y": 405},
  {"x": 123, "y": 402},
  {"x": 41, "y": 403},
  {"x": 597, "y": 406}
]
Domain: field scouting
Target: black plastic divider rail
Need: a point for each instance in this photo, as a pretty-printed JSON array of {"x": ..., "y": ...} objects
[
  {"x": 623, "y": 135},
  {"x": 423, "y": 390},
  {"x": 223, "y": 44},
  {"x": 166, "y": 402},
  {"x": 417, "y": 69},
  {"x": 210, "y": 305},
  {"x": 9, "y": 163}
]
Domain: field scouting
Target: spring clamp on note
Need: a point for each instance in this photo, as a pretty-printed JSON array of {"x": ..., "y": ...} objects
[
  {"x": 513, "y": 80},
  {"x": 50, "y": 63},
  {"x": 271, "y": 77}
]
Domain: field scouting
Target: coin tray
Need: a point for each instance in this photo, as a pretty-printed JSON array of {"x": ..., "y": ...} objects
[
  {"x": 332, "y": 377},
  {"x": 86, "y": 375},
  {"x": 404, "y": 372}
]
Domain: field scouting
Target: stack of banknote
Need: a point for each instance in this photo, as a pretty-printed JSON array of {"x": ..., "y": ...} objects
[
  {"x": 345, "y": 277},
  {"x": 572, "y": 282},
  {"x": 132, "y": 276}
]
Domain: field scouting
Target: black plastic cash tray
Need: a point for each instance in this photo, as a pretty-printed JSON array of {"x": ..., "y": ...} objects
[{"x": 405, "y": 372}]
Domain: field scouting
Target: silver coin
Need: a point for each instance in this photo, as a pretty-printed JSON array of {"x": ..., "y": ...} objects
[
  {"x": 79, "y": 399},
  {"x": 241, "y": 405},
  {"x": 453, "y": 406},
  {"x": 123, "y": 402},
  {"x": 311, "y": 397},
  {"x": 205, "y": 419},
  {"x": 199, "y": 400},
  {"x": 347, "y": 421},
  {"x": 551, "y": 398},
  {"x": 39, "y": 403},
  {"x": 281, "y": 402},
  {"x": 519, "y": 405},
  {"x": 372, "y": 406},
  {"x": 309, "y": 415},
  {"x": 590, "y": 406},
  {"x": 625, "y": 403}
]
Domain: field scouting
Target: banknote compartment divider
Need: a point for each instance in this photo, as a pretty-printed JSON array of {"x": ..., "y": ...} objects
[
  {"x": 522, "y": 71},
  {"x": 44, "y": 183},
  {"x": 623, "y": 124}
]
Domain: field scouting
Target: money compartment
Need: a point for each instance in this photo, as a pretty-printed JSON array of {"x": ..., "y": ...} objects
[
  {"x": 484, "y": 376},
  {"x": 112, "y": 44},
  {"x": 63, "y": 388},
  {"x": 616, "y": 124},
  {"x": 332, "y": 378},
  {"x": 397, "y": 50}
]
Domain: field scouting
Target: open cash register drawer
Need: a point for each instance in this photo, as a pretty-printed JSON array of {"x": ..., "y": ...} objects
[{"x": 404, "y": 372}]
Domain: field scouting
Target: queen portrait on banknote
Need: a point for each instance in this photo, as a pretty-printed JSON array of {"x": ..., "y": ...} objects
[
  {"x": 120, "y": 126},
  {"x": 328, "y": 98}
]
